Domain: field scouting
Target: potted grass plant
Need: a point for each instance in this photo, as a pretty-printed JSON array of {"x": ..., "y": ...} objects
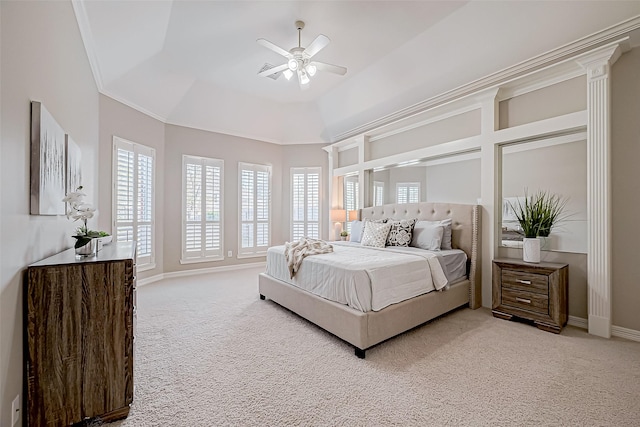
[{"x": 537, "y": 215}]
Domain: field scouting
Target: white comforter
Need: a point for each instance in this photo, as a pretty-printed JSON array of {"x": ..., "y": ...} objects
[{"x": 367, "y": 279}]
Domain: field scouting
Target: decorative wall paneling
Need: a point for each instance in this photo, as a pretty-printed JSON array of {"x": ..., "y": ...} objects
[{"x": 541, "y": 72}]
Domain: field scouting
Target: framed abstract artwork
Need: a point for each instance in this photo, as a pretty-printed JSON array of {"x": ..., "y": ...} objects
[
  {"x": 74, "y": 165},
  {"x": 47, "y": 163}
]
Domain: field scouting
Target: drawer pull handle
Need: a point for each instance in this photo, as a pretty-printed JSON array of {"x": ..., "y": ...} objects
[
  {"x": 524, "y": 282},
  {"x": 528, "y": 301}
]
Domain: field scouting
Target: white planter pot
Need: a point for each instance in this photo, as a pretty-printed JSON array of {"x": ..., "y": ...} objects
[{"x": 531, "y": 249}]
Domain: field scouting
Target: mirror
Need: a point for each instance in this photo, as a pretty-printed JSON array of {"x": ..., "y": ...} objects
[
  {"x": 556, "y": 165},
  {"x": 448, "y": 179}
]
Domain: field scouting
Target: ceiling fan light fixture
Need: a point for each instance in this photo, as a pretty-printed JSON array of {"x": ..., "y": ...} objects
[
  {"x": 298, "y": 59},
  {"x": 311, "y": 70},
  {"x": 304, "y": 78}
]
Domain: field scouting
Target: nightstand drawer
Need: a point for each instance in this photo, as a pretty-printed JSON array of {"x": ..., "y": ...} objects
[
  {"x": 524, "y": 281},
  {"x": 537, "y": 303}
]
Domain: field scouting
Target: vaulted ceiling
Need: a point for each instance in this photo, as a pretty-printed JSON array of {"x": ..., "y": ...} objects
[{"x": 195, "y": 63}]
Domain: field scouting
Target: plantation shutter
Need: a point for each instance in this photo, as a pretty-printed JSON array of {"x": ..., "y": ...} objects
[
  {"x": 408, "y": 192},
  {"x": 202, "y": 209},
  {"x": 133, "y": 197},
  {"x": 305, "y": 203},
  {"x": 351, "y": 196},
  {"x": 255, "y": 209},
  {"x": 378, "y": 193}
]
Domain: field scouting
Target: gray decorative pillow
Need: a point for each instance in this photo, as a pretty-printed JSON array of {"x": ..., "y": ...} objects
[
  {"x": 375, "y": 234},
  {"x": 401, "y": 232},
  {"x": 357, "y": 227},
  {"x": 446, "y": 235},
  {"x": 427, "y": 235}
]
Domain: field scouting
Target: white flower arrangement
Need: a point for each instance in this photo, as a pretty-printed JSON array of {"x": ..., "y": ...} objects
[{"x": 80, "y": 210}]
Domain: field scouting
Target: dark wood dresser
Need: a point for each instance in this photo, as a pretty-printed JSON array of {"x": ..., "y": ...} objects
[
  {"x": 535, "y": 292},
  {"x": 79, "y": 331}
]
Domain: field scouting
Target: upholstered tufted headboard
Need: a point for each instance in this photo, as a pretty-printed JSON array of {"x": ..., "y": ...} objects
[{"x": 465, "y": 231}]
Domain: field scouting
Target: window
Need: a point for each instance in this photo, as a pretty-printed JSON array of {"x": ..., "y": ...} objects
[
  {"x": 351, "y": 197},
  {"x": 407, "y": 192},
  {"x": 201, "y": 209},
  {"x": 378, "y": 193},
  {"x": 305, "y": 203},
  {"x": 133, "y": 198},
  {"x": 255, "y": 209}
]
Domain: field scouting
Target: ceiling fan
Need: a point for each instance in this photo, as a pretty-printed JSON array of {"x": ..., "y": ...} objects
[{"x": 299, "y": 59}]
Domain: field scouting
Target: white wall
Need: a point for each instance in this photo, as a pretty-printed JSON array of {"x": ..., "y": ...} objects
[{"x": 43, "y": 59}]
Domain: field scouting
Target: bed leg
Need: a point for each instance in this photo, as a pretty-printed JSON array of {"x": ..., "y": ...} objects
[
  {"x": 261, "y": 297},
  {"x": 360, "y": 353}
]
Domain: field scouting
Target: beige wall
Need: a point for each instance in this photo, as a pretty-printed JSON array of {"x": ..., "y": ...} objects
[
  {"x": 449, "y": 129},
  {"x": 455, "y": 182},
  {"x": 561, "y": 98},
  {"x": 117, "y": 119},
  {"x": 308, "y": 155},
  {"x": 43, "y": 59},
  {"x": 181, "y": 140},
  {"x": 625, "y": 180}
]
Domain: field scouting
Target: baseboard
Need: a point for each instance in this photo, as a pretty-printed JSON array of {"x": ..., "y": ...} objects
[
  {"x": 616, "y": 331},
  {"x": 630, "y": 334},
  {"x": 578, "y": 322},
  {"x": 194, "y": 272}
]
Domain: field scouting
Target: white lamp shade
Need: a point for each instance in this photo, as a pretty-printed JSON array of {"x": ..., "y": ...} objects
[
  {"x": 353, "y": 215},
  {"x": 338, "y": 215},
  {"x": 311, "y": 69},
  {"x": 304, "y": 78}
]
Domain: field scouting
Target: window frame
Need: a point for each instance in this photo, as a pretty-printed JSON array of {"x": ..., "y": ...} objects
[
  {"x": 306, "y": 171},
  {"x": 348, "y": 204},
  {"x": 408, "y": 186},
  {"x": 143, "y": 263},
  {"x": 255, "y": 251},
  {"x": 378, "y": 190},
  {"x": 203, "y": 257}
]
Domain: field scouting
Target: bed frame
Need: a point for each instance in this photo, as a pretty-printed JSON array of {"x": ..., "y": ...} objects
[{"x": 366, "y": 329}]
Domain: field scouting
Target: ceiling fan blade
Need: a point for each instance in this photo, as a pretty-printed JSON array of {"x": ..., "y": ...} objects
[
  {"x": 336, "y": 69},
  {"x": 273, "y": 70},
  {"x": 317, "y": 45},
  {"x": 277, "y": 49}
]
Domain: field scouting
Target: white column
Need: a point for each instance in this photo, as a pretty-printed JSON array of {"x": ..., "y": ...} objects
[
  {"x": 489, "y": 187},
  {"x": 598, "y": 67},
  {"x": 363, "y": 156},
  {"x": 332, "y": 153}
]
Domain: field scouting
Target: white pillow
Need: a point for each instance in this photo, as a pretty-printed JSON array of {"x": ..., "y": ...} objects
[
  {"x": 446, "y": 235},
  {"x": 375, "y": 234},
  {"x": 427, "y": 235},
  {"x": 356, "y": 231}
]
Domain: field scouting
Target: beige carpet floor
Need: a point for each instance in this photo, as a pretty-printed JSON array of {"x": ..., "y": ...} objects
[{"x": 209, "y": 352}]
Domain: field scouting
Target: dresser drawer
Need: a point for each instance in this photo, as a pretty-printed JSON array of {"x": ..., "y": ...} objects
[
  {"x": 524, "y": 281},
  {"x": 530, "y": 301}
]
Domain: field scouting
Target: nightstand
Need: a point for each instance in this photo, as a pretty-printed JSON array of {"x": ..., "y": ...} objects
[{"x": 535, "y": 292}]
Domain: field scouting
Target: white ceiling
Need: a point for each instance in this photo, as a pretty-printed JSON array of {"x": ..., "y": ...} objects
[{"x": 195, "y": 63}]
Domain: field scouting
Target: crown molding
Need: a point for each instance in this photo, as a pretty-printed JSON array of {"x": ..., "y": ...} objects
[
  {"x": 534, "y": 64},
  {"x": 87, "y": 39}
]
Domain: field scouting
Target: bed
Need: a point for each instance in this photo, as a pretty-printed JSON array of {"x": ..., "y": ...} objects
[{"x": 364, "y": 327}]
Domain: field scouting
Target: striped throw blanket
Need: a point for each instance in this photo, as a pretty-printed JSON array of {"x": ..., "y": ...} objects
[{"x": 295, "y": 252}]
